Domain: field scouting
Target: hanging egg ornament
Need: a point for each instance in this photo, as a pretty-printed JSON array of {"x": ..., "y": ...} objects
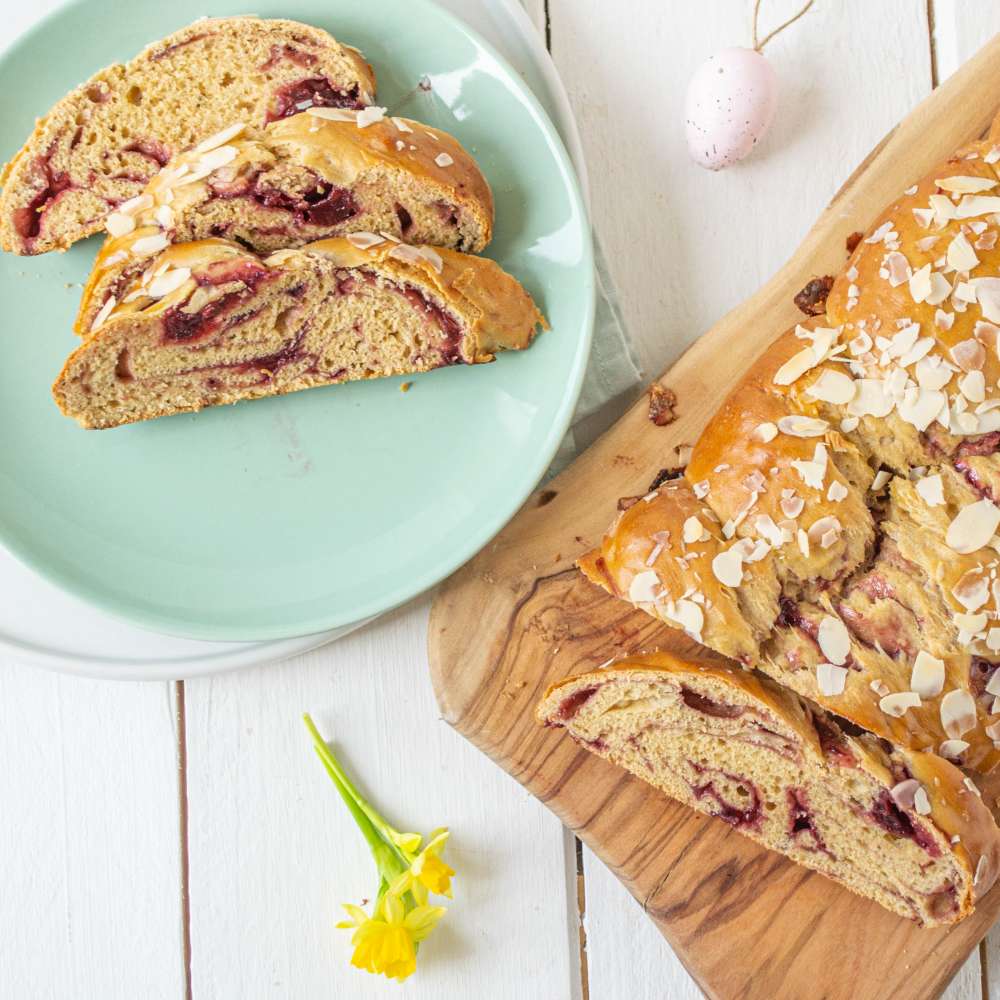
[
  {"x": 731, "y": 101},
  {"x": 730, "y": 105}
]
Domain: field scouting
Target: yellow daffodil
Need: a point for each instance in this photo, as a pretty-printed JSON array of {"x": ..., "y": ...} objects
[{"x": 386, "y": 942}]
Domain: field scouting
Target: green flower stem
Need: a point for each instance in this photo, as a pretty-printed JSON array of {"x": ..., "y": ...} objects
[{"x": 388, "y": 857}]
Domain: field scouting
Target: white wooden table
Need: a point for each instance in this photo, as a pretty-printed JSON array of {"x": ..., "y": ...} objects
[{"x": 179, "y": 840}]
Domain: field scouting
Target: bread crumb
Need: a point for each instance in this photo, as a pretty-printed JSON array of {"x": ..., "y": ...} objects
[{"x": 661, "y": 405}]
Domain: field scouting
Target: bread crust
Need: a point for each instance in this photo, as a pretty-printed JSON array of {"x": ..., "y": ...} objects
[{"x": 76, "y": 167}]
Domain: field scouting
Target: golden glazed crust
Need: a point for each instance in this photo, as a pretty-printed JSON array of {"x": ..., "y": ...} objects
[
  {"x": 854, "y": 474},
  {"x": 253, "y": 185},
  {"x": 98, "y": 146},
  {"x": 650, "y": 713}
]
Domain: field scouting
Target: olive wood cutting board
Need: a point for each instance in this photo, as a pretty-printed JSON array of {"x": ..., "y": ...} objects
[{"x": 744, "y": 921}]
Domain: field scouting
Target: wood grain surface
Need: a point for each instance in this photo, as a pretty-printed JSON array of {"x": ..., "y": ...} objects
[{"x": 527, "y": 619}]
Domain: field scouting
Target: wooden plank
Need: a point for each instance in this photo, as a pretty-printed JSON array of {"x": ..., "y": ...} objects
[
  {"x": 88, "y": 845},
  {"x": 273, "y": 851},
  {"x": 536, "y": 621}
]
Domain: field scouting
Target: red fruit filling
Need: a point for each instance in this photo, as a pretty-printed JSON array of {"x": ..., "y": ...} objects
[
  {"x": 887, "y": 633},
  {"x": 707, "y": 706},
  {"x": 317, "y": 92},
  {"x": 405, "y": 219},
  {"x": 800, "y": 821},
  {"x": 151, "y": 149},
  {"x": 28, "y": 220},
  {"x": 986, "y": 444},
  {"x": 572, "y": 704},
  {"x": 886, "y": 814},
  {"x": 451, "y": 348},
  {"x": 975, "y": 480},
  {"x": 832, "y": 742},
  {"x": 736, "y": 816},
  {"x": 327, "y": 205},
  {"x": 163, "y": 53}
]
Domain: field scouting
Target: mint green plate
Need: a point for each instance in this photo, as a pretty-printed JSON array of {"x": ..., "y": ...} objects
[{"x": 287, "y": 516}]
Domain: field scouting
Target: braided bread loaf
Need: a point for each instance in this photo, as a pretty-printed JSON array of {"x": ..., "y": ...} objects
[
  {"x": 99, "y": 146},
  {"x": 326, "y": 172},
  {"x": 904, "y": 829},
  {"x": 836, "y": 524}
]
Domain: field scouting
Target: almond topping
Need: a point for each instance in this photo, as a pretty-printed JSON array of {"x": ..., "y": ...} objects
[
  {"x": 833, "y": 387},
  {"x": 958, "y": 713},
  {"x": 644, "y": 587},
  {"x": 834, "y": 642},
  {"x": 728, "y": 567},
  {"x": 973, "y": 527},
  {"x": 927, "y": 677},
  {"x": 830, "y": 679},
  {"x": 931, "y": 490},
  {"x": 801, "y": 426},
  {"x": 899, "y": 703},
  {"x": 766, "y": 432}
]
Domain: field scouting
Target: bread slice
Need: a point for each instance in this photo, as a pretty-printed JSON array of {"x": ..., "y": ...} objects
[
  {"x": 99, "y": 146},
  {"x": 326, "y": 172},
  {"x": 906, "y": 830},
  {"x": 210, "y": 323}
]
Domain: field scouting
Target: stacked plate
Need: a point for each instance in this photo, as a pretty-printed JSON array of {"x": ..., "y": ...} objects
[{"x": 259, "y": 531}]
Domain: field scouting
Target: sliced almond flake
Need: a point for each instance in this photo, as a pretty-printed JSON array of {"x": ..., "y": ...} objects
[
  {"x": 643, "y": 587},
  {"x": 364, "y": 241},
  {"x": 119, "y": 255},
  {"x": 933, "y": 372},
  {"x": 119, "y": 224},
  {"x": 837, "y": 491},
  {"x": 972, "y": 205},
  {"x": 334, "y": 114},
  {"x": 965, "y": 184},
  {"x": 830, "y": 679},
  {"x": 961, "y": 256},
  {"x": 104, "y": 313},
  {"x": 924, "y": 216},
  {"x": 919, "y": 350},
  {"x": 987, "y": 241},
  {"x": 912, "y": 189},
  {"x": 926, "y": 243},
  {"x": 370, "y": 115},
  {"x": 969, "y": 354},
  {"x": 400, "y": 145},
  {"x": 972, "y": 385},
  {"x": 833, "y": 387},
  {"x": 958, "y": 713},
  {"x": 953, "y": 749},
  {"x": 940, "y": 289},
  {"x": 880, "y": 234},
  {"x": 220, "y": 138},
  {"x": 870, "y": 399},
  {"x": 432, "y": 257},
  {"x": 803, "y": 539},
  {"x": 792, "y": 507},
  {"x": 849, "y": 424},
  {"x": 405, "y": 253},
  {"x": 904, "y": 792},
  {"x": 944, "y": 320},
  {"x": 654, "y": 554},
  {"x": 834, "y": 640},
  {"x": 759, "y": 551},
  {"x": 443, "y": 160},
  {"x": 689, "y": 616},
  {"x": 694, "y": 531},
  {"x": 993, "y": 684},
  {"x": 973, "y": 527},
  {"x": 169, "y": 282},
  {"x": 795, "y": 367},
  {"x": 150, "y": 244},
  {"x": 897, "y": 705},
  {"x": 727, "y": 567},
  {"x": 920, "y": 283},
  {"x": 765, "y": 527},
  {"x": 766, "y": 432},
  {"x": 861, "y": 344},
  {"x": 879, "y": 687},
  {"x": 164, "y": 216},
  {"x": 401, "y": 124},
  {"x": 897, "y": 269},
  {"x": 931, "y": 490},
  {"x": 389, "y": 236},
  {"x": 993, "y": 155},
  {"x": 971, "y": 624},
  {"x": 971, "y": 786},
  {"x": 134, "y": 206},
  {"x": 993, "y": 640},
  {"x": 825, "y": 531},
  {"x": 881, "y": 478},
  {"x": 942, "y": 207},
  {"x": 920, "y": 406},
  {"x": 700, "y": 489},
  {"x": 921, "y": 802},
  {"x": 927, "y": 676},
  {"x": 798, "y": 425}
]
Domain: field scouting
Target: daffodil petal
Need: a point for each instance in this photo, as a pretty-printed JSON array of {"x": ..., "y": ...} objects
[
  {"x": 357, "y": 915},
  {"x": 421, "y": 920}
]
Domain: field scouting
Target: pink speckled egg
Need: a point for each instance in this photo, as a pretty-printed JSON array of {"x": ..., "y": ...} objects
[{"x": 729, "y": 107}]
